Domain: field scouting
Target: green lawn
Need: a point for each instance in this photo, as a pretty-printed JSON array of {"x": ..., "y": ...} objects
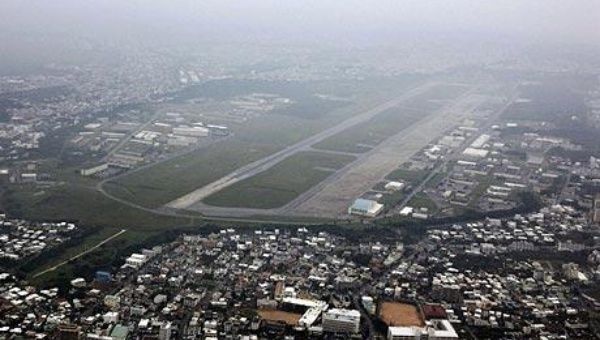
[
  {"x": 405, "y": 175},
  {"x": 280, "y": 184},
  {"x": 90, "y": 209},
  {"x": 160, "y": 184},
  {"x": 436, "y": 179},
  {"x": 86, "y": 206},
  {"x": 391, "y": 199}
]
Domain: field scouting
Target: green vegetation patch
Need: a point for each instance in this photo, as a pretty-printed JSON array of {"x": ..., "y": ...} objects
[
  {"x": 101, "y": 216},
  {"x": 405, "y": 175},
  {"x": 421, "y": 200},
  {"x": 164, "y": 182},
  {"x": 85, "y": 206},
  {"x": 282, "y": 183},
  {"x": 436, "y": 179},
  {"x": 391, "y": 199}
]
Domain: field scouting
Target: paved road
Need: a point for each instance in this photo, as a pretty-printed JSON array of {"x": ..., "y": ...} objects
[
  {"x": 89, "y": 250},
  {"x": 263, "y": 164}
]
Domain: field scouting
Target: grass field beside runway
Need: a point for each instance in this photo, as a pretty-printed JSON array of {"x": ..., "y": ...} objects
[{"x": 280, "y": 184}]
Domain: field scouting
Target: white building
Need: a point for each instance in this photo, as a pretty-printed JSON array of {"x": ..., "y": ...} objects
[
  {"x": 436, "y": 329},
  {"x": 315, "y": 308},
  {"x": 94, "y": 170},
  {"x": 394, "y": 186},
  {"x": 136, "y": 260},
  {"x": 110, "y": 317},
  {"x": 475, "y": 152},
  {"x": 480, "y": 141},
  {"x": 364, "y": 207},
  {"x": 196, "y": 131},
  {"x": 78, "y": 282},
  {"x": 406, "y": 211},
  {"x": 341, "y": 321},
  {"x": 404, "y": 333},
  {"x": 369, "y": 304}
]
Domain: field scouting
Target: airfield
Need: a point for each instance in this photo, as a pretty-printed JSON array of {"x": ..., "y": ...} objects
[{"x": 317, "y": 176}]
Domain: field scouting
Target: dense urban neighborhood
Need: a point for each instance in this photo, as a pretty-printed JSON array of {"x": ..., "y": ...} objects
[{"x": 530, "y": 275}]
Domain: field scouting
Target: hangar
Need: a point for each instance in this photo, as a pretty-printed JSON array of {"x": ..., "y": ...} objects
[{"x": 364, "y": 207}]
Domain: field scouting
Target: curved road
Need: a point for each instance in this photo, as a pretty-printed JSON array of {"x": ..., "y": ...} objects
[{"x": 173, "y": 213}]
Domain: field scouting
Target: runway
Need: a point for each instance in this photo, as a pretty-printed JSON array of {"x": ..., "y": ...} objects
[{"x": 264, "y": 164}]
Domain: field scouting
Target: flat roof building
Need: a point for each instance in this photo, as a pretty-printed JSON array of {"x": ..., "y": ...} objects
[
  {"x": 438, "y": 329},
  {"x": 341, "y": 321},
  {"x": 475, "y": 152}
]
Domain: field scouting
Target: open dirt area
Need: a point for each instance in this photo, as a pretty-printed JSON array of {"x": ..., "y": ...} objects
[
  {"x": 277, "y": 315},
  {"x": 400, "y": 314}
]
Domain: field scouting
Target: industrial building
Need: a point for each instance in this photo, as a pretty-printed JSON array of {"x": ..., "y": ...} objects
[{"x": 94, "y": 170}]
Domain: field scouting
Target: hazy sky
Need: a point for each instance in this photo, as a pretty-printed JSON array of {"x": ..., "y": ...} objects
[{"x": 531, "y": 20}]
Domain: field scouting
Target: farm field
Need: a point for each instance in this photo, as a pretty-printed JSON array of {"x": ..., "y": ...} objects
[{"x": 282, "y": 183}]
